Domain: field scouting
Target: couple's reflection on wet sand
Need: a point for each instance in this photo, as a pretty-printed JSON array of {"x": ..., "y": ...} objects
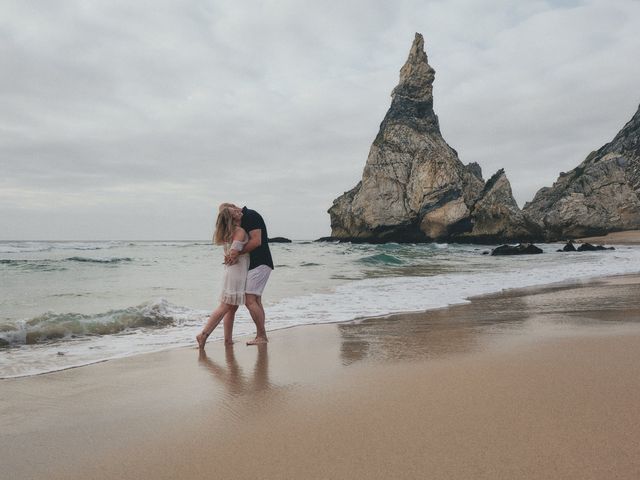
[{"x": 232, "y": 376}]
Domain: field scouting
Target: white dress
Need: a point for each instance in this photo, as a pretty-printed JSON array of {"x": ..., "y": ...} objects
[{"x": 234, "y": 279}]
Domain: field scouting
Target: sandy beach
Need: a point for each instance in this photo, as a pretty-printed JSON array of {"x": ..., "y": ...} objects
[
  {"x": 537, "y": 383},
  {"x": 629, "y": 237}
]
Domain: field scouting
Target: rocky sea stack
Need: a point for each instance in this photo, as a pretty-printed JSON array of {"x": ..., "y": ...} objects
[
  {"x": 599, "y": 196},
  {"x": 414, "y": 188}
]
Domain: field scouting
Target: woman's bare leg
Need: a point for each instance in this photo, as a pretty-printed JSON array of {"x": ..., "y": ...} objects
[
  {"x": 214, "y": 320},
  {"x": 228, "y": 324}
]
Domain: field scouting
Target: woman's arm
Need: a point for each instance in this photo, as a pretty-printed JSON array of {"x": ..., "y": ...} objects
[
  {"x": 239, "y": 235},
  {"x": 255, "y": 240}
]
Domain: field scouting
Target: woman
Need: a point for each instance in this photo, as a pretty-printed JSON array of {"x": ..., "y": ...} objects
[{"x": 230, "y": 234}]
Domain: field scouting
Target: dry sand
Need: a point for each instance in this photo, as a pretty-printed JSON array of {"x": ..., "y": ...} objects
[
  {"x": 630, "y": 237},
  {"x": 538, "y": 383}
]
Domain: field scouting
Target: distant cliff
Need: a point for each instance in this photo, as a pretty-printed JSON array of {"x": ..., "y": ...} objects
[
  {"x": 414, "y": 188},
  {"x": 600, "y": 195}
]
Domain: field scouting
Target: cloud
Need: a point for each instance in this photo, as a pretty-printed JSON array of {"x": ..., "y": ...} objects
[{"x": 137, "y": 118}]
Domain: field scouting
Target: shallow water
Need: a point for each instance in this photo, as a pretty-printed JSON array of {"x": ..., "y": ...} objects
[{"x": 72, "y": 303}]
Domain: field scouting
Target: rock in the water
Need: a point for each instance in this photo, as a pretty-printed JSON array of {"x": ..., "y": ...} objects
[
  {"x": 414, "y": 188},
  {"x": 521, "y": 249},
  {"x": 279, "y": 240},
  {"x": 569, "y": 247},
  {"x": 327, "y": 239},
  {"x": 587, "y": 247},
  {"x": 599, "y": 196}
]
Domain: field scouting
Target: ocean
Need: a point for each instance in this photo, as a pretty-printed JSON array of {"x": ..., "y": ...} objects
[{"x": 68, "y": 304}]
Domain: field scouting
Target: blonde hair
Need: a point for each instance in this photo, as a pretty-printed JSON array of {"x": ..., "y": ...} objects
[{"x": 224, "y": 226}]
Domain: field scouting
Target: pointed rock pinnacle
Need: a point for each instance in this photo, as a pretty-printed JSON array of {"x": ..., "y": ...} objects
[{"x": 416, "y": 76}]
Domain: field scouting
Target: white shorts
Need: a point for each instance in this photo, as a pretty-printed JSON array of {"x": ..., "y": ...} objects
[{"x": 257, "y": 279}]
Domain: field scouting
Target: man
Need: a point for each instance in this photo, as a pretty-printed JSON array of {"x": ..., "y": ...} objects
[{"x": 260, "y": 267}]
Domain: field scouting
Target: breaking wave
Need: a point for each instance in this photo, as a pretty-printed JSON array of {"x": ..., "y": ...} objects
[
  {"x": 71, "y": 326},
  {"x": 32, "y": 265},
  {"x": 382, "y": 259},
  {"x": 99, "y": 260}
]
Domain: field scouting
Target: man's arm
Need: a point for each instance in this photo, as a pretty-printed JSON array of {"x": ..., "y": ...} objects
[{"x": 255, "y": 240}]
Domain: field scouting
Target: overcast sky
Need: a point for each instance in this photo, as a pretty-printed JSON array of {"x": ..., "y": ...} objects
[{"x": 134, "y": 119}]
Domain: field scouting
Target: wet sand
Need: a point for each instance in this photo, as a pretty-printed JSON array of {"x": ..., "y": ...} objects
[
  {"x": 630, "y": 237},
  {"x": 535, "y": 383}
]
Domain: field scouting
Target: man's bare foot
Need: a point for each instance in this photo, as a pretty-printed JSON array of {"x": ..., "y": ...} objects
[
  {"x": 258, "y": 341},
  {"x": 202, "y": 339}
]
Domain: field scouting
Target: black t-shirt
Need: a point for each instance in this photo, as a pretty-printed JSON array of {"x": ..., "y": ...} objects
[{"x": 252, "y": 220}]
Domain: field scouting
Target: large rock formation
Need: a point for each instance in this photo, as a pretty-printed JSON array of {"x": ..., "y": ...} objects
[
  {"x": 414, "y": 187},
  {"x": 496, "y": 216},
  {"x": 600, "y": 195}
]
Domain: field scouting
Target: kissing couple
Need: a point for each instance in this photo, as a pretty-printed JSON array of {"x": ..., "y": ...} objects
[{"x": 247, "y": 266}]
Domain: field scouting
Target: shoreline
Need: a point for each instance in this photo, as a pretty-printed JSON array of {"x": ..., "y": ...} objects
[
  {"x": 563, "y": 284},
  {"x": 471, "y": 381}
]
